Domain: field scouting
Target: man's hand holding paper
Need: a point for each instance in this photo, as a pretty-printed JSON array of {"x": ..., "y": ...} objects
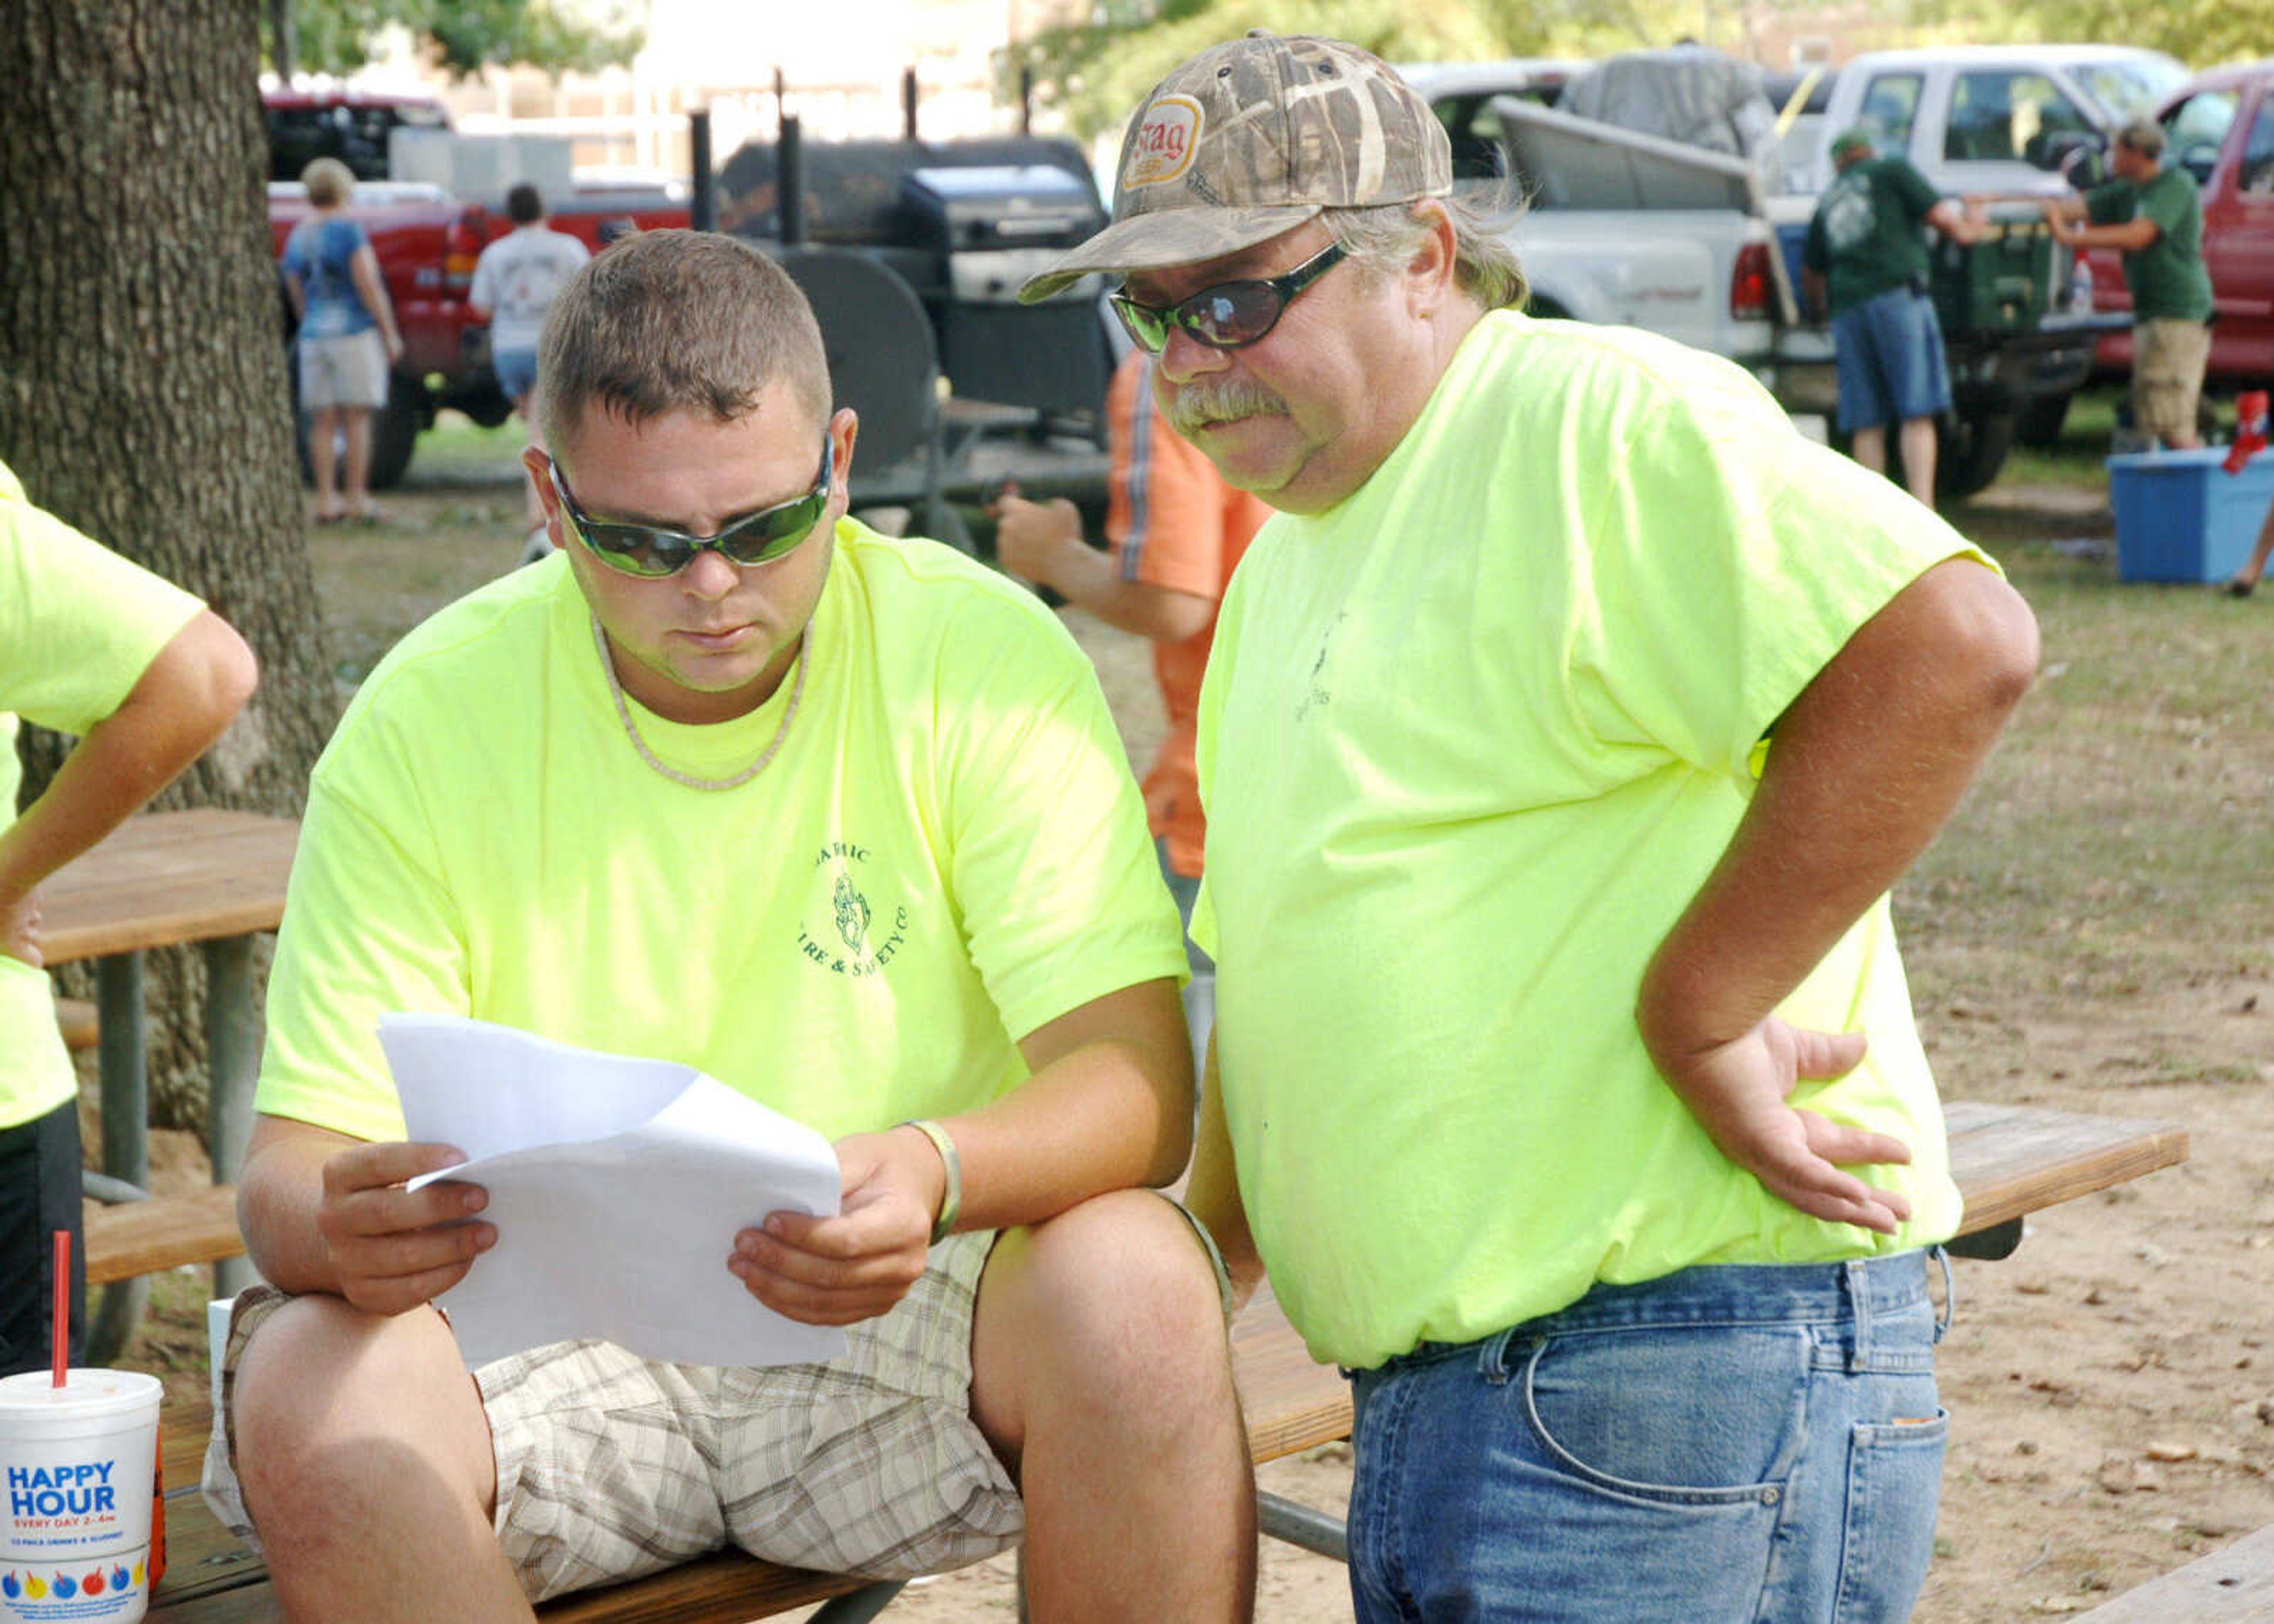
[
  {"x": 395, "y": 1248},
  {"x": 855, "y": 1266},
  {"x": 613, "y": 1183}
]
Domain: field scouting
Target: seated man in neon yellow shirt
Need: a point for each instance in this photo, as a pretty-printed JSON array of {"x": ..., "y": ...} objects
[
  {"x": 1564, "y": 730},
  {"x": 733, "y": 781},
  {"x": 94, "y": 645}
]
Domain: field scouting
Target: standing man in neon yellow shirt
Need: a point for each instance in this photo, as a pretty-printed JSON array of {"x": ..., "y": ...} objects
[
  {"x": 1564, "y": 732},
  {"x": 148, "y": 677},
  {"x": 843, "y": 822}
]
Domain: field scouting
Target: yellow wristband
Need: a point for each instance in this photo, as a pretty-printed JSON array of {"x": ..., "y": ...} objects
[{"x": 951, "y": 1203}]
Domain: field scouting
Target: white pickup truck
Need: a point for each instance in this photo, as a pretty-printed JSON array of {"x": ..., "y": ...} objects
[
  {"x": 1623, "y": 228},
  {"x": 1703, "y": 247}
]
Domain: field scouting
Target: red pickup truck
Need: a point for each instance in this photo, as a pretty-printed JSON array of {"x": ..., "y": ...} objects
[
  {"x": 427, "y": 242},
  {"x": 2219, "y": 127}
]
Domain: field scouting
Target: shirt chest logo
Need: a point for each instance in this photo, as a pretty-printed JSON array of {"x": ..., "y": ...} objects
[{"x": 849, "y": 928}]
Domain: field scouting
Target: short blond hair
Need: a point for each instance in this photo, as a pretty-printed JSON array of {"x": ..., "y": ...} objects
[
  {"x": 330, "y": 182},
  {"x": 666, "y": 321}
]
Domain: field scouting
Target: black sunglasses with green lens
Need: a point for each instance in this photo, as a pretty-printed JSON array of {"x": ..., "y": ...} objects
[
  {"x": 1231, "y": 314},
  {"x": 652, "y": 550}
]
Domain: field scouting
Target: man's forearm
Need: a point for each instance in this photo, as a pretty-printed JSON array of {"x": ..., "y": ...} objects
[
  {"x": 278, "y": 1190},
  {"x": 1093, "y": 579},
  {"x": 1866, "y": 767},
  {"x": 1109, "y": 1107},
  {"x": 183, "y": 703}
]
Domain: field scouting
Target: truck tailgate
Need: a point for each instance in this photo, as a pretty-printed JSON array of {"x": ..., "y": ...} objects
[{"x": 1702, "y": 208}]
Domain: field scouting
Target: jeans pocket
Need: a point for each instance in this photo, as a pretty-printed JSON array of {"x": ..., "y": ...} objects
[
  {"x": 1895, "y": 1485},
  {"x": 1679, "y": 1415}
]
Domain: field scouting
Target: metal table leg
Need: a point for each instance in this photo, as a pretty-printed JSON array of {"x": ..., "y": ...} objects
[
  {"x": 121, "y": 1054},
  {"x": 233, "y": 1065},
  {"x": 1300, "y": 1525},
  {"x": 861, "y": 1605}
]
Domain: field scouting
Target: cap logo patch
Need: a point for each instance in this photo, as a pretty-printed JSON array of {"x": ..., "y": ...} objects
[{"x": 1163, "y": 147}]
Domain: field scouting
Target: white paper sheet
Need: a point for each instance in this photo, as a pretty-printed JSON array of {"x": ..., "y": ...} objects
[{"x": 617, "y": 1186}]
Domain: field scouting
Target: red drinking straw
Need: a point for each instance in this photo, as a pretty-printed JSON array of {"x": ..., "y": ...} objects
[{"x": 60, "y": 1320}]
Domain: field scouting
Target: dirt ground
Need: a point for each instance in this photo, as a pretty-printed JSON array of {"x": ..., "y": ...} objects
[{"x": 2112, "y": 1384}]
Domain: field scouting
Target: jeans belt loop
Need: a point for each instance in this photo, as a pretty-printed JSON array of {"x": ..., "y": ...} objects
[
  {"x": 1859, "y": 1301},
  {"x": 1941, "y": 1255},
  {"x": 1493, "y": 1360}
]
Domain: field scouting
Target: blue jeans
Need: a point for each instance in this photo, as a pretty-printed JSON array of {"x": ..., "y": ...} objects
[{"x": 1731, "y": 1445}]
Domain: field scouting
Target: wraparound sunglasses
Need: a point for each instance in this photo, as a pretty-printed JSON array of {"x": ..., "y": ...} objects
[
  {"x": 1229, "y": 315},
  {"x": 652, "y": 551}
]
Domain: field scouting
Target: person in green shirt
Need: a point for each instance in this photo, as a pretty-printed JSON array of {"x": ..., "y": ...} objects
[
  {"x": 1865, "y": 260},
  {"x": 1565, "y": 727},
  {"x": 2154, "y": 215},
  {"x": 147, "y": 677}
]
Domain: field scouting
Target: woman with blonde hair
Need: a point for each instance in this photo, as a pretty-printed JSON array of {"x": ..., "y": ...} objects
[{"x": 347, "y": 338}]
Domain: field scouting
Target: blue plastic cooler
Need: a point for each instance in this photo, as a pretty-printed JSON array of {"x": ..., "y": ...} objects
[{"x": 2180, "y": 516}]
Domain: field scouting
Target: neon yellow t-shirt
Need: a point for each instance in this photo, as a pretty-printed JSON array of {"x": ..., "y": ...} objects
[
  {"x": 947, "y": 853},
  {"x": 78, "y": 626},
  {"x": 1469, "y": 744}
]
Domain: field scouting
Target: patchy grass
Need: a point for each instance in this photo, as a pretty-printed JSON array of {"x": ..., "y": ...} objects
[
  {"x": 455, "y": 522},
  {"x": 2079, "y": 459},
  {"x": 2123, "y": 835}
]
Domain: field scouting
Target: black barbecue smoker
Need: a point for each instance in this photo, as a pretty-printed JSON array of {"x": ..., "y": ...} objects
[{"x": 963, "y": 223}]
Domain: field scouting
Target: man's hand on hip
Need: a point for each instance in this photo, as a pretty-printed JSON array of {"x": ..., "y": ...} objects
[
  {"x": 19, "y": 929},
  {"x": 1738, "y": 1093},
  {"x": 856, "y": 1265}
]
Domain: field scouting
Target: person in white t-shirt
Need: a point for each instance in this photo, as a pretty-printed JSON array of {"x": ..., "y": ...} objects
[{"x": 516, "y": 282}]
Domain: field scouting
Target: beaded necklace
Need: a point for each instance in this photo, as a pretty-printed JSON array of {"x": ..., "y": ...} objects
[{"x": 631, "y": 729}]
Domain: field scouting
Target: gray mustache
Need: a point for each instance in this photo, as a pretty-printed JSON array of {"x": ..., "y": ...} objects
[{"x": 1195, "y": 406}]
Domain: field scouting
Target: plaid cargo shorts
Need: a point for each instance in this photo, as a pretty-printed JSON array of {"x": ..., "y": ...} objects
[{"x": 610, "y": 1466}]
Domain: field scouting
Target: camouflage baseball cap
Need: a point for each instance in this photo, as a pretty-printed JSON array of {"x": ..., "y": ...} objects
[{"x": 1251, "y": 139}]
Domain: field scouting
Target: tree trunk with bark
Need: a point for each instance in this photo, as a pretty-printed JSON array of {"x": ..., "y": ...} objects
[{"x": 142, "y": 387}]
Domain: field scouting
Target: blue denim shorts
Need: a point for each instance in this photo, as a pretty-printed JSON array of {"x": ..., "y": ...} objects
[
  {"x": 1731, "y": 1445},
  {"x": 1890, "y": 360},
  {"x": 515, "y": 370}
]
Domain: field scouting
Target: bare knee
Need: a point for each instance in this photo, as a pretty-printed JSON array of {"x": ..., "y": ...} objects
[
  {"x": 1109, "y": 1307},
  {"x": 327, "y": 1400}
]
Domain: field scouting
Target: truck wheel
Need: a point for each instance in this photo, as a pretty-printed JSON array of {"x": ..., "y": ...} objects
[
  {"x": 394, "y": 433},
  {"x": 394, "y": 436},
  {"x": 2038, "y": 423},
  {"x": 1970, "y": 453}
]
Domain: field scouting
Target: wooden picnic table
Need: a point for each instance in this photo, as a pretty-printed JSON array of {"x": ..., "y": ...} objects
[
  {"x": 2008, "y": 1160},
  {"x": 163, "y": 879}
]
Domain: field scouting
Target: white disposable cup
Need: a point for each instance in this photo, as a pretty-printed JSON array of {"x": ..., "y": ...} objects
[{"x": 77, "y": 1464}]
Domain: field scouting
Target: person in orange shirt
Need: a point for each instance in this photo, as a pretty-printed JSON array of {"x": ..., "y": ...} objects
[{"x": 1177, "y": 532}]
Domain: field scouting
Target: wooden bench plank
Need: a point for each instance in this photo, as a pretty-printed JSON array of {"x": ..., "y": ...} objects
[
  {"x": 144, "y": 1237},
  {"x": 1291, "y": 1401},
  {"x": 2010, "y": 1160},
  {"x": 2231, "y": 1586},
  {"x": 81, "y": 1027}
]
